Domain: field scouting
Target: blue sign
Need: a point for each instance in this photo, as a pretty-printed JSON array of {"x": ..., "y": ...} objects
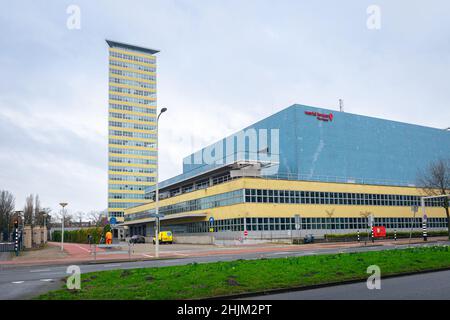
[
  {"x": 112, "y": 220},
  {"x": 211, "y": 220}
]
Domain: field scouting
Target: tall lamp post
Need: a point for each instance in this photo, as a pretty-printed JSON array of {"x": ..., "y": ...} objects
[
  {"x": 62, "y": 204},
  {"x": 157, "y": 188}
]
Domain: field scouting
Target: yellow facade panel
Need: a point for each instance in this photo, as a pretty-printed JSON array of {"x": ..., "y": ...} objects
[
  {"x": 131, "y": 156},
  {"x": 289, "y": 210},
  {"x": 150, "y": 123},
  {"x": 131, "y": 130},
  {"x": 126, "y": 191},
  {"x": 133, "y": 53},
  {"x": 145, "y": 64},
  {"x": 119, "y": 76},
  {"x": 137, "y": 174},
  {"x": 122, "y": 94},
  {"x": 132, "y": 70},
  {"x": 132, "y": 183},
  {"x": 131, "y": 104},
  {"x": 130, "y": 147},
  {"x": 136, "y": 165}
]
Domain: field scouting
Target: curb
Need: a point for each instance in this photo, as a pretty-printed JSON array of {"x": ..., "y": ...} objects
[
  {"x": 318, "y": 286},
  {"x": 81, "y": 262}
]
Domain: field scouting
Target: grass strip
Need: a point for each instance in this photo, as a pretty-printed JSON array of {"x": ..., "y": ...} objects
[{"x": 195, "y": 281}]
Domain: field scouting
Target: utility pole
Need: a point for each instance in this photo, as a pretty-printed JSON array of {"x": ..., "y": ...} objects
[
  {"x": 157, "y": 187},
  {"x": 62, "y": 204}
]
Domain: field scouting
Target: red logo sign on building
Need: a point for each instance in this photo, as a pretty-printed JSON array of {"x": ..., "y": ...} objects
[
  {"x": 320, "y": 116},
  {"x": 379, "y": 232}
]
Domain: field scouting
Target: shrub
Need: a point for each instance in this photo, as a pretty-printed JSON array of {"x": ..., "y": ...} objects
[{"x": 78, "y": 236}]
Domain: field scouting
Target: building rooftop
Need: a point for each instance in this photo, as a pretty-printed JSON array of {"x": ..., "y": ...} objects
[{"x": 114, "y": 44}]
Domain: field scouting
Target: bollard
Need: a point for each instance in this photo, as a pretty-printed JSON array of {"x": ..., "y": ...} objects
[
  {"x": 424, "y": 231},
  {"x": 16, "y": 246}
]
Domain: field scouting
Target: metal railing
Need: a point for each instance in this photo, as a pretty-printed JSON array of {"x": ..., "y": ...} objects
[
  {"x": 110, "y": 249},
  {"x": 7, "y": 246}
]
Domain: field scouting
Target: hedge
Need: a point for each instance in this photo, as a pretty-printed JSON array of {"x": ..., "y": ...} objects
[
  {"x": 389, "y": 235},
  {"x": 79, "y": 236}
]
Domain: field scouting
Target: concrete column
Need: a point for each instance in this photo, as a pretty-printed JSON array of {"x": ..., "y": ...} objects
[
  {"x": 36, "y": 236},
  {"x": 27, "y": 237},
  {"x": 43, "y": 235}
]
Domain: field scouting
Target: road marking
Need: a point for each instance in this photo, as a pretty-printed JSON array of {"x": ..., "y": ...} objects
[
  {"x": 40, "y": 270},
  {"x": 83, "y": 248},
  {"x": 17, "y": 282},
  {"x": 46, "y": 280},
  {"x": 178, "y": 254},
  {"x": 147, "y": 255}
]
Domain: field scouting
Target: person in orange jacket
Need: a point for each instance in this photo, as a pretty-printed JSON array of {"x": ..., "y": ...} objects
[{"x": 108, "y": 237}]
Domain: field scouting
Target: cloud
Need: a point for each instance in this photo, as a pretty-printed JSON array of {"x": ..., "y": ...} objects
[{"x": 222, "y": 66}]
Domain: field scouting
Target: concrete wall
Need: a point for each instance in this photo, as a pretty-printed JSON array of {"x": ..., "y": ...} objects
[{"x": 194, "y": 239}]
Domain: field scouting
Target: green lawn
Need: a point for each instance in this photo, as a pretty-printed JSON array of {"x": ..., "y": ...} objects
[{"x": 223, "y": 278}]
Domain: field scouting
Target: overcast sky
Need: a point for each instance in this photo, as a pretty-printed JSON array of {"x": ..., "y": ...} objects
[{"x": 223, "y": 65}]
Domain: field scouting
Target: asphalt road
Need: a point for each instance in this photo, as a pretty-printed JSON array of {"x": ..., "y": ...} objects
[
  {"x": 424, "y": 286},
  {"x": 26, "y": 282}
]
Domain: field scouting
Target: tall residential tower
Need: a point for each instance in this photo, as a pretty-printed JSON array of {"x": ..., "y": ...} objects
[{"x": 132, "y": 121}]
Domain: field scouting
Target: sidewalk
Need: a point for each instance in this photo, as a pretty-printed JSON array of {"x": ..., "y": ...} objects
[{"x": 75, "y": 253}]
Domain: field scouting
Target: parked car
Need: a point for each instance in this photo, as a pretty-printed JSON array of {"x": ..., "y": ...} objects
[
  {"x": 308, "y": 238},
  {"x": 137, "y": 239},
  {"x": 164, "y": 237}
]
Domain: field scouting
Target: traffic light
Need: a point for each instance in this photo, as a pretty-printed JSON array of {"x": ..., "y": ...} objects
[{"x": 16, "y": 224}]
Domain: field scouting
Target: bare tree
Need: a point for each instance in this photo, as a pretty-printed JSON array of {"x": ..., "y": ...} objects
[
  {"x": 28, "y": 210},
  {"x": 46, "y": 217},
  {"x": 435, "y": 181},
  {"x": 79, "y": 216},
  {"x": 330, "y": 214},
  {"x": 37, "y": 216},
  {"x": 7, "y": 203},
  {"x": 96, "y": 217}
]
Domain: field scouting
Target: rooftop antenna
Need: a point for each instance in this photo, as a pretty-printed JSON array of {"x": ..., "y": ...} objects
[{"x": 341, "y": 105}]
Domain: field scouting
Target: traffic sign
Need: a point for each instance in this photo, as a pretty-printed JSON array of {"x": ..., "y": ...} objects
[
  {"x": 112, "y": 220},
  {"x": 245, "y": 233},
  {"x": 211, "y": 220}
]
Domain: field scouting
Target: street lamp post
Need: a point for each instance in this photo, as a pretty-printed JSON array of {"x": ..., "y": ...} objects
[
  {"x": 62, "y": 204},
  {"x": 157, "y": 187}
]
